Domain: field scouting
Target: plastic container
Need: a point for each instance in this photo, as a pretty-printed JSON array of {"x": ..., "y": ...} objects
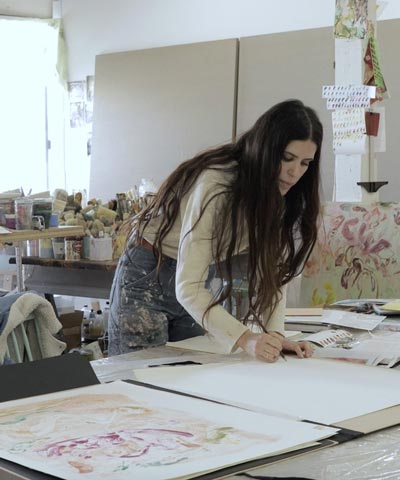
[
  {"x": 58, "y": 247},
  {"x": 88, "y": 318},
  {"x": 96, "y": 327},
  {"x": 73, "y": 248},
  {"x": 10, "y": 221},
  {"x": 45, "y": 248},
  {"x": 32, "y": 248},
  {"x": 6, "y": 209},
  {"x": 23, "y": 213},
  {"x": 106, "y": 314},
  {"x": 43, "y": 207}
]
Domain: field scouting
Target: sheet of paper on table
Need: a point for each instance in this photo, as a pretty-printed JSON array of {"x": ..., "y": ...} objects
[
  {"x": 370, "y": 349},
  {"x": 325, "y": 385},
  {"x": 205, "y": 343},
  {"x": 340, "y": 318},
  {"x": 120, "y": 431}
]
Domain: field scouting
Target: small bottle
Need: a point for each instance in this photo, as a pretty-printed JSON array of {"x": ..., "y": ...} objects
[
  {"x": 106, "y": 314},
  {"x": 86, "y": 310},
  {"x": 96, "y": 328},
  {"x": 85, "y": 322},
  {"x": 86, "y": 326}
]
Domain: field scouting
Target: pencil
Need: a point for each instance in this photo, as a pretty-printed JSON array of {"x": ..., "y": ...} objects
[{"x": 283, "y": 356}]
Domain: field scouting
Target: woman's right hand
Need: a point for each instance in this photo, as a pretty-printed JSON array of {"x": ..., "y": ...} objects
[{"x": 262, "y": 346}]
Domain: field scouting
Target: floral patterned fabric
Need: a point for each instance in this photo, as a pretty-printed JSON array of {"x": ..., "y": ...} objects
[{"x": 357, "y": 254}]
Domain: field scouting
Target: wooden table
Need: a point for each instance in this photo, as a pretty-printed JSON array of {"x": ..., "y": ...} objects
[{"x": 18, "y": 236}]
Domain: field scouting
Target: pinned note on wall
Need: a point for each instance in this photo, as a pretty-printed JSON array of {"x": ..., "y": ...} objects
[
  {"x": 348, "y": 96},
  {"x": 349, "y": 131}
]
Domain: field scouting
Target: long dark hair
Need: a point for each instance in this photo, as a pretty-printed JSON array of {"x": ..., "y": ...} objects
[{"x": 281, "y": 230}]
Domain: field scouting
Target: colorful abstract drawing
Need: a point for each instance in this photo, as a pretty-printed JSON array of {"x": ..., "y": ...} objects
[
  {"x": 120, "y": 431},
  {"x": 351, "y": 18},
  {"x": 134, "y": 435},
  {"x": 357, "y": 254}
]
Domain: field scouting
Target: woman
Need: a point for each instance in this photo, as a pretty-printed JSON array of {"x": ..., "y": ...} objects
[{"x": 258, "y": 194}]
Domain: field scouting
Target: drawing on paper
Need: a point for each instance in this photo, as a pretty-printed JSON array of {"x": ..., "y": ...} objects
[
  {"x": 108, "y": 433},
  {"x": 357, "y": 254},
  {"x": 351, "y": 18}
]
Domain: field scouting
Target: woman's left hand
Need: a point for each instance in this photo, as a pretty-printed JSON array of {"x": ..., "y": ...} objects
[{"x": 301, "y": 349}]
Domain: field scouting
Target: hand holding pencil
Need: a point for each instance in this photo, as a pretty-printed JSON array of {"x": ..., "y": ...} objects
[{"x": 263, "y": 346}]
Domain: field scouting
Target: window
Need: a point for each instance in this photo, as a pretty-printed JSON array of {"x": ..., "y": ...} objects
[{"x": 32, "y": 100}]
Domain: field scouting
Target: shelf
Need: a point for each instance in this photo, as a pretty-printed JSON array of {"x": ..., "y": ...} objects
[
  {"x": 20, "y": 235},
  {"x": 372, "y": 187}
]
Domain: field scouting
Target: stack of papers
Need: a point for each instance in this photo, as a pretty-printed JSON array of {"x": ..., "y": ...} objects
[
  {"x": 380, "y": 306},
  {"x": 337, "y": 318},
  {"x": 390, "y": 308},
  {"x": 371, "y": 350}
]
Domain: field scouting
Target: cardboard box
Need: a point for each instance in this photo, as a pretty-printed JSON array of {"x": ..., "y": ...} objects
[{"x": 72, "y": 324}]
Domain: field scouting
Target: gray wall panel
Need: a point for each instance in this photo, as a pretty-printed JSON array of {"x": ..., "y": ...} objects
[
  {"x": 389, "y": 162},
  {"x": 279, "y": 66},
  {"x": 155, "y": 108},
  {"x": 296, "y": 65}
]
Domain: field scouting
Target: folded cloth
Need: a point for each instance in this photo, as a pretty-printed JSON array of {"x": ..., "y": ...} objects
[{"x": 15, "y": 309}]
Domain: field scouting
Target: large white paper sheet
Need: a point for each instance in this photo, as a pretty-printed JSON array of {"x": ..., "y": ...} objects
[
  {"x": 324, "y": 391},
  {"x": 119, "y": 431},
  {"x": 349, "y": 65},
  {"x": 202, "y": 343},
  {"x": 347, "y": 174}
]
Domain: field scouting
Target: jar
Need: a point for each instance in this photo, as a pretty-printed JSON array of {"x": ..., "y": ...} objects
[
  {"x": 23, "y": 213},
  {"x": 6, "y": 209},
  {"x": 73, "y": 248},
  {"x": 43, "y": 207},
  {"x": 58, "y": 247}
]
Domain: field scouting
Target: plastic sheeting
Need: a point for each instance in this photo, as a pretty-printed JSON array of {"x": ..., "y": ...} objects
[{"x": 371, "y": 457}]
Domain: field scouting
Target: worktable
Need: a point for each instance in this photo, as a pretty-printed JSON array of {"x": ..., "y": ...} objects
[{"x": 369, "y": 457}]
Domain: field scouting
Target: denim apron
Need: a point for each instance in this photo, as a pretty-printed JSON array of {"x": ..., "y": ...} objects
[{"x": 144, "y": 311}]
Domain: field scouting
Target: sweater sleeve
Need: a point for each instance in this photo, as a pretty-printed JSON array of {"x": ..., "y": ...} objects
[
  {"x": 194, "y": 258},
  {"x": 276, "y": 322}
]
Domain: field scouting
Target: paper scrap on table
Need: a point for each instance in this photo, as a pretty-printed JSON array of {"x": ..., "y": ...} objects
[
  {"x": 327, "y": 338},
  {"x": 372, "y": 350}
]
